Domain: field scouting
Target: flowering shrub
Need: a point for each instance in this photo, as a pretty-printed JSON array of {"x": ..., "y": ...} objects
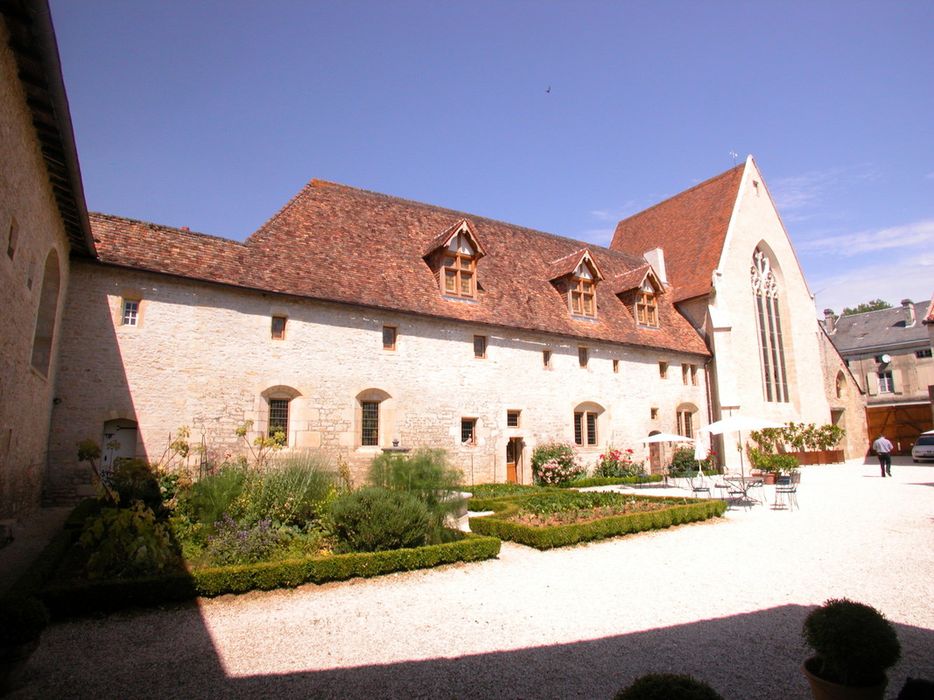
[
  {"x": 236, "y": 544},
  {"x": 618, "y": 463},
  {"x": 555, "y": 463}
]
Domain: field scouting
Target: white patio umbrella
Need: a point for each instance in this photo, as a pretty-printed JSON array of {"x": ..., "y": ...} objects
[
  {"x": 667, "y": 437},
  {"x": 701, "y": 449},
  {"x": 737, "y": 424}
]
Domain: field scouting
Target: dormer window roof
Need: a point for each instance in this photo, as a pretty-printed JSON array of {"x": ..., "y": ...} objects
[
  {"x": 453, "y": 256},
  {"x": 640, "y": 288},
  {"x": 577, "y": 275}
]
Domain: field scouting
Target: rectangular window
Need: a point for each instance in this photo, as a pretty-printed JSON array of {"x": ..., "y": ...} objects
[
  {"x": 591, "y": 428},
  {"x": 693, "y": 375},
  {"x": 389, "y": 337},
  {"x": 616, "y": 366},
  {"x": 685, "y": 424},
  {"x": 468, "y": 431},
  {"x": 278, "y": 327},
  {"x": 647, "y": 309},
  {"x": 653, "y": 412},
  {"x": 921, "y": 354},
  {"x": 479, "y": 346},
  {"x": 578, "y": 428},
  {"x": 278, "y": 417},
  {"x": 512, "y": 419},
  {"x": 585, "y": 428},
  {"x": 546, "y": 359},
  {"x": 369, "y": 423},
  {"x": 685, "y": 374},
  {"x": 663, "y": 370},
  {"x": 11, "y": 241},
  {"x": 582, "y": 298},
  {"x": 130, "y": 312},
  {"x": 583, "y": 355},
  {"x": 886, "y": 383}
]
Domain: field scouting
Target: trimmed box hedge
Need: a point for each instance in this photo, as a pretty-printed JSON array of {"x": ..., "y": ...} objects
[
  {"x": 611, "y": 481},
  {"x": 65, "y": 599},
  {"x": 682, "y": 510}
]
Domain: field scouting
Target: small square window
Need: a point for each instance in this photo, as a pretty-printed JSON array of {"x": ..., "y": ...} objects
[
  {"x": 468, "y": 431},
  {"x": 685, "y": 374},
  {"x": 546, "y": 359},
  {"x": 390, "y": 334},
  {"x": 479, "y": 346},
  {"x": 130, "y": 312},
  {"x": 693, "y": 375},
  {"x": 278, "y": 327},
  {"x": 663, "y": 370},
  {"x": 583, "y": 355},
  {"x": 616, "y": 366},
  {"x": 921, "y": 354},
  {"x": 653, "y": 412},
  {"x": 512, "y": 419}
]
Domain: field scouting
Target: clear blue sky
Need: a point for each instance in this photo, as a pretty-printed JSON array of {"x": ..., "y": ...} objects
[{"x": 213, "y": 114}]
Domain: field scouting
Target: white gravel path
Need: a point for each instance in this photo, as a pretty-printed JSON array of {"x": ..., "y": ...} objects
[{"x": 722, "y": 600}]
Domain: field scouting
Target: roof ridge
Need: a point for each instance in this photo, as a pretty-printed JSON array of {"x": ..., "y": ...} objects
[
  {"x": 708, "y": 181},
  {"x": 175, "y": 229},
  {"x": 462, "y": 214},
  {"x": 268, "y": 222}
]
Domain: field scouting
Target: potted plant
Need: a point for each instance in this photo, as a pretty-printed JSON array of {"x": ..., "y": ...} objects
[
  {"x": 21, "y": 623},
  {"x": 853, "y": 647}
]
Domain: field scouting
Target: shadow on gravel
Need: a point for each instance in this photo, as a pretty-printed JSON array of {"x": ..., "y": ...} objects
[{"x": 170, "y": 654}]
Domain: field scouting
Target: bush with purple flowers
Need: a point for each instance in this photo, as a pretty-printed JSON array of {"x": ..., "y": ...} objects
[{"x": 233, "y": 543}]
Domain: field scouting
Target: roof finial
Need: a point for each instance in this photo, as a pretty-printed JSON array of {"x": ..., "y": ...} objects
[{"x": 734, "y": 155}]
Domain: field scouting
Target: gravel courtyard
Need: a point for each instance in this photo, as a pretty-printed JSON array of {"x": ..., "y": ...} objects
[{"x": 722, "y": 600}]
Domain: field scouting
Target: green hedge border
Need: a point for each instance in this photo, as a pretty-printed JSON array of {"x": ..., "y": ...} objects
[
  {"x": 682, "y": 510},
  {"x": 108, "y": 595},
  {"x": 612, "y": 481}
]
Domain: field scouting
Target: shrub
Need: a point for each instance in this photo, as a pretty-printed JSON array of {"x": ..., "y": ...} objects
[
  {"x": 233, "y": 544},
  {"x": 375, "y": 519},
  {"x": 585, "y": 481},
  {"x": 667, "y": 686},
  {"x": 617, "y": 463},
  {"x": 295, "y": 490},
  {"x": 853, "y": 643},
  {"x": 426, "y": 475},
  {"x": 555, "y": 463},
  {"x": 210, "y": 498},
  {"x": 500, "y": 490},
  {"x": 134, "y": 480},
  {"x": 126, "y": 542}
]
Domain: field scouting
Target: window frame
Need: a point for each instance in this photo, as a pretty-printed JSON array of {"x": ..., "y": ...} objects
[
  {"x": 369, "y": 434},
  {"x": 280, "y": 403},
  {"x": 886, "y": 381},
  {"x": 480, "y": 347},
  {"x": 546, "y": 359},
  {"x": 586, "y": 428},
  {"x": 457, "y": 266},
  {"x": 393, "y": 332},
  {"x": 278, "y": 333},
  {"x": 469, "y": 428},
  {"x": 132, "y": 305},
  {"x": 685, "y": 422},
  {"x": 647, "y": 309},
  {"x": 662, "y": 369},
  {"x": 12, "y": 239},
  {"x": 582, "y": 292},
  {"x": 615, "y": 366},
  {"x": 583, "y": 356},
  {"x": 511, "y": 414}
]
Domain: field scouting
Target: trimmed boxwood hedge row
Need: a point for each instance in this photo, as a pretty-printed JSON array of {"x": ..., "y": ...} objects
[
  {"x": 682, "y": 510},
  {"x": 65, "y": 599},
  {"x": 611, "y": 480}
]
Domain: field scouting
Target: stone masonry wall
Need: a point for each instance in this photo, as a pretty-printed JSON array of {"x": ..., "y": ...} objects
[
  {"x": 29, "y": 214},
  {"x": 202, "y": 355}
]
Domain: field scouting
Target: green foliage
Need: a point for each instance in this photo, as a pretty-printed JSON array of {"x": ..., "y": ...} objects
[
  {"x": 797, "y": 436},
  {"x": 233, "y": 544},
  {"x": 585, "y": 481},
  {"x": 88, "y": 451},
  {"x": 22, "y": 620},
  {"x": 874, "y": 305},
  {"x": 853, "y": 642},
  {"x": 296, "y": 490},
  {"x": 135, "y": 480},
  {"x": 68, "y": 598},
  {"x": 426, "y": 475},
  {"x": 499, "y": 490},
  {"x": 564, "y": 501},
  {"x": 775, "y": 463},
  {"x": 617, "y": 463},
  {"x": 681, "y": 510},
  {"x": 555, "y": 463},
  {"x": 262, "y": 445},
  {"x": 211, "y": 497},
  {"x": 126, "y": 542},
  {"x": 667, "y": 686},
  {"x": 375, "y": 519}
]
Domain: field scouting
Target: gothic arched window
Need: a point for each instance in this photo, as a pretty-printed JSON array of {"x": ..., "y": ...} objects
[{"x": 769, "y": 324}]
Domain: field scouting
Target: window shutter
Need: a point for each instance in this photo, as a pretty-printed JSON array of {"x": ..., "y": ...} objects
[{"x": 872, "y": 383}]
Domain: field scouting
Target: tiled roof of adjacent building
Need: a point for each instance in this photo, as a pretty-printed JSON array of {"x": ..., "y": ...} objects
[
  {"x": 690, "y": 228},
  {"x": 876, "y": 330},
  {"x": 337, "y": 243},
  {"x": 930, "y": 315}
]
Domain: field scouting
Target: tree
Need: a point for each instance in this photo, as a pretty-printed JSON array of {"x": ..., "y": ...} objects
[{"x": 874, "y": 305}]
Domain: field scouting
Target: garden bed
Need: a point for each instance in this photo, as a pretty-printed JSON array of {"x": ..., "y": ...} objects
[{"x": 552, "y": 520}]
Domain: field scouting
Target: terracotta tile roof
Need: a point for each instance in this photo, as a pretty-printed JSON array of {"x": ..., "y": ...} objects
[
  {"x": 338, "y": 243},
  {"x": 930, "y": 317},
  {"x": 445, "y": 237},
  {"x": 570, "y": 262},
  {"x": 632, "y": 280},
  {"x": 690, "y": 228}
]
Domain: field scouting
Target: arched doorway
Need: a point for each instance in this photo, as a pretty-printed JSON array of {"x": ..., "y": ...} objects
[{"x": 119, "y": 442}]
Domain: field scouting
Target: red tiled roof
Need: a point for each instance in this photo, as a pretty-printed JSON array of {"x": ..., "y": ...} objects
[
  {"x": 337, "y": 243},
  {"x": 633, "y": 280},
  {"x": 445, "y": 237},
  {"x": 690, "y": 228},
  {"x": 930, "y": 317},
  {"x": 570, "y": 262}
]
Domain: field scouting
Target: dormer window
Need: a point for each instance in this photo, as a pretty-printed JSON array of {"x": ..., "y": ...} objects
[
  {"x": 647, "y": 306},
  {"x": 459, "y": 273},
  {"x": 581, "y": 295},
  {"x": 452, "y": 257}
]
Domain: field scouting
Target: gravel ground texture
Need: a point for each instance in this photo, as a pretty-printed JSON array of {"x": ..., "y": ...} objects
[{"x": 722, "y": 600}]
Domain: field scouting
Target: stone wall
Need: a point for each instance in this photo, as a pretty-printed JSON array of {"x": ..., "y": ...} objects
[
  {"x": 202, "y": 355},
  {"x": 29, "y": 215}
]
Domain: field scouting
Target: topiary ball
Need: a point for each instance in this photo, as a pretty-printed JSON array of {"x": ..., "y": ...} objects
[{"x": 668, "y": 686}]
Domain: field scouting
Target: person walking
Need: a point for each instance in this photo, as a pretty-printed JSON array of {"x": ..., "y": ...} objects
[{"x": 883, "y": 449}]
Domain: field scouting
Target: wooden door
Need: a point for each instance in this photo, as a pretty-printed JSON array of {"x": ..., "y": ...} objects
[{"x": 513, "y": 455}]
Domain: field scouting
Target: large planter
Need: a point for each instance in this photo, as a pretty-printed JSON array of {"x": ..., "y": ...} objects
[
  {"x": 818, "y": 456},
  {"x": 825, "y": 690}
]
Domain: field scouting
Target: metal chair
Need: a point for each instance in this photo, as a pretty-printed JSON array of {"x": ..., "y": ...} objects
[
  {"x": 786, "y": 492},
  {"x": 699, "y": 487}
]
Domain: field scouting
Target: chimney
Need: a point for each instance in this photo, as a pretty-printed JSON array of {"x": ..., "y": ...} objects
[
  {"x": 656, "y": 258},
  {"x": 830, "y": 321},
  {"x": 909, "y": 308}
]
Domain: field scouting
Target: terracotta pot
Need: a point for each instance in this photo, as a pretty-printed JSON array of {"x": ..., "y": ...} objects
[
  {"x": 769, "y": 477},
  {"x": 825, "y": 690}
]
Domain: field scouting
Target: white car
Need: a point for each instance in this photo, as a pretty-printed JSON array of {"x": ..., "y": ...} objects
[{"x": 924, "y": 447}]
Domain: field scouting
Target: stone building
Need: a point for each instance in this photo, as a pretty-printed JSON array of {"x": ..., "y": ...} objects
[
  {"x": 736, "y": 278},
  {"x": 889, "y": 353},
  {"x": 43, "y": 224}
]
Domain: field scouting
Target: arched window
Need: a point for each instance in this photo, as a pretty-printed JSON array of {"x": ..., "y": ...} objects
[
  {"x": 45, "y": 320},
  {"x": 279, "y": 409},
  {"x": 686, "y": 419},
  {"x": 840, "y": 385},
  {"x": 370, "y": 427},
  {"x": 587, "y": 424},
  {"x": 765, "y": 291}
]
